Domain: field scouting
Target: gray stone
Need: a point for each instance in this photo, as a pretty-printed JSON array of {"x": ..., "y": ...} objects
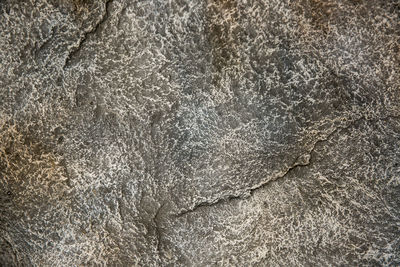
[{"x": 200, "y": 133}]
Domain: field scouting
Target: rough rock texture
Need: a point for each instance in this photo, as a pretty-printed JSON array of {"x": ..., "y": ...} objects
[{"x": 200, "y": 133}]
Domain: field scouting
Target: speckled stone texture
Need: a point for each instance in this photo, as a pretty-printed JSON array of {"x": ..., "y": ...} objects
[{"x": 200, "y": 133}]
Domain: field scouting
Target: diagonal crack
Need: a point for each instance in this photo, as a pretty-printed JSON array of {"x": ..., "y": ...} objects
[
  {"x": 13, "y": 251},
  {"x": 156, "y": 222},
  {"x": 120, "y": 211},
  {"x": 88, "y": 33},
  {"x": 301, "y": 161}
]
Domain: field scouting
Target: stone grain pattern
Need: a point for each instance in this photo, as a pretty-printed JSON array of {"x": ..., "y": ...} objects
[{"x": 200, "y": 133}]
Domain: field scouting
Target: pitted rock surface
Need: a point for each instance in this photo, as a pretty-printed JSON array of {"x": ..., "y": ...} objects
[{"x": 200, "y": 133}]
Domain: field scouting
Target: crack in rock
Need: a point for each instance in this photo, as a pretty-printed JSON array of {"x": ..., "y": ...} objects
[
  {"x": 156, "y": 222},
  {"x": 120, "y": 211},
  {"x": 301, "y": 161},
  {"x": 10, "y": 248},
  {"x": 86, "y": 34}
]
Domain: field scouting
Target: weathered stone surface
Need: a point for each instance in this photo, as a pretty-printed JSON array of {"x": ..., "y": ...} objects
[{"x": 200, "y": 133}]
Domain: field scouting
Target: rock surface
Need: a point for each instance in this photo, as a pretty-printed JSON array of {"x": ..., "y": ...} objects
[{"x": 200, "y": 133}]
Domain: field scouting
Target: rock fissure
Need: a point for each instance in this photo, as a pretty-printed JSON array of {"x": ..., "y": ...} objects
[
  {"x": 156, "y": 222},
  {"x": 301, "y": 161},
  {"x": 86, "y": 34}
]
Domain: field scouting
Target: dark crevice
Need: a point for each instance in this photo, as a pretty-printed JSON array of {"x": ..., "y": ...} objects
[
  {"x": 250, "y": 191},
  {"x": 45, "y": 44},
  {"x": 301, "y": 161},
  {"x": 120, "y": 200},
  {"x": 7, "y": 250},
  {"x": 87, "y": 34},
  {"x": 156, "y": 221},
  {"x": 120, "y": 210}
]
